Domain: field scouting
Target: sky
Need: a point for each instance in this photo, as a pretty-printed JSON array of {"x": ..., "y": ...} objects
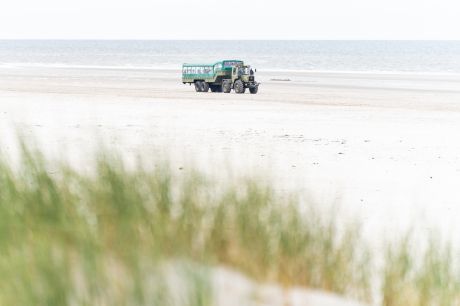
[{"x": 236, "y": 19}]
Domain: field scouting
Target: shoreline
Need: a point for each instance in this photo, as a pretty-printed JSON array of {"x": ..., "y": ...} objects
[{"x": 268, "y": 70}]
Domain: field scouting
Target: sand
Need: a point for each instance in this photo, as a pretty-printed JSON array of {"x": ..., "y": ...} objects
[
  {"x": 383, "y": 147},
  {"x": 380, "y": 147},
  {"x": 231, "y": 288}
]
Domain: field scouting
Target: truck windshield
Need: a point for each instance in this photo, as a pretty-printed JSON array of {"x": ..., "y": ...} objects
[{"x": 245, "y": 71}]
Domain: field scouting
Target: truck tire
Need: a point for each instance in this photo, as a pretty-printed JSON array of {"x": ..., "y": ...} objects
[
  {"x": 204, "y": 87},
  {"x": 254, "y": 90},
  {"x": 239, "y": 87},
  {"x": 198, "y": 86},
  {"x": 226, "y": 86}
]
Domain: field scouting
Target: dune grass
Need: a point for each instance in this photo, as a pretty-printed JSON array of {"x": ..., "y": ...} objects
[
  {"x": 104, "y": 238},
  {"x": 421, "y": 275}
]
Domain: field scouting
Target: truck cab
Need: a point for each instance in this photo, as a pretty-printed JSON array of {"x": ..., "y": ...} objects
[{"x": 243, "y": 76}]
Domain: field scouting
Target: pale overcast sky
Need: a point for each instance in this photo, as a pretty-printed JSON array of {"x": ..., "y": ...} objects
[{"x": 236, "y": 19}]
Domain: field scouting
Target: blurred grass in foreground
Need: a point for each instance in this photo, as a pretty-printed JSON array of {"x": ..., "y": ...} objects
[
  {"x": 424, "y": 276},
  {"x": 105, "y": 239}
]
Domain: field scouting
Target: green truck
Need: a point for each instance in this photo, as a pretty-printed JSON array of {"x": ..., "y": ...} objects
[{"x": 222, "y": 76}]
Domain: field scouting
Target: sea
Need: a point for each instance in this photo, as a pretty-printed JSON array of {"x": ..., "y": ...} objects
[{"x": 334, "y": 56}]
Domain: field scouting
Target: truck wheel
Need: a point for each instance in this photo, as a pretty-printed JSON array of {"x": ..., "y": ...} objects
[
  {"x": 226, "y": 86},
  {"x": 198, "y": 86},
  {"x": 239, "y": 87},
  {"x": 254, "y": 90},
  {"x": 204, "y": 87}
]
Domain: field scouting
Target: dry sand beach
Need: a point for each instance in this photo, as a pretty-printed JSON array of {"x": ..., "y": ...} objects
[{"x": 380, "y": 146}]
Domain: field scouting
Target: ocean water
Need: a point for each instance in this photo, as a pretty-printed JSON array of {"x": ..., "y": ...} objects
[{"x": 374, "y": 56}]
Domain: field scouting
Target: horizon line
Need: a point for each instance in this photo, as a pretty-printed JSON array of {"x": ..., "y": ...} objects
[{"x": 195, "y": 39}]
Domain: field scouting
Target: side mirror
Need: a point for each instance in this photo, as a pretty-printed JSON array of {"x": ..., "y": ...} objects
[{"x": 255, "y": 70}]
